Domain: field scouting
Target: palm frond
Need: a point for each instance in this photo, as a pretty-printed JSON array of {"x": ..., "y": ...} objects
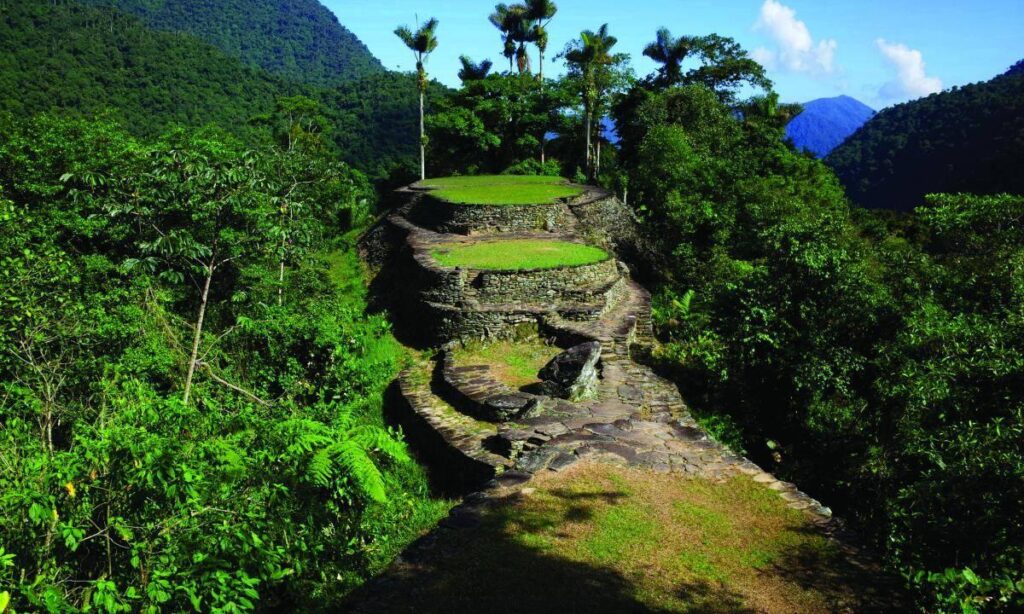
[{"x": 406, "y": 35}]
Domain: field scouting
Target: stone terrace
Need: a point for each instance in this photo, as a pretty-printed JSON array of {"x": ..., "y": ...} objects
[{"x": 634, "y": 417}]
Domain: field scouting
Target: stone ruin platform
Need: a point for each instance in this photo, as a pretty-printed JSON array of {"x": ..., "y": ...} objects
[
  {"x": 478, "y": 428},
  {"x": 486, "y": 438}
]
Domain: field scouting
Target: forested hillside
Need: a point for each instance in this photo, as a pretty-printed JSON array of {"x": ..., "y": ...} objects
[
  {"x": 969, "y": 139},
  {"x": 300, "y": 40},
  {"x": 88, "y": 61}
]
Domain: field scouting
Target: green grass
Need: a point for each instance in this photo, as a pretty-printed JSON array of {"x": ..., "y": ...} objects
[
  {"x": 598, "y": 538},
  {"x": 483, "y": 180},
  {"x": 517, "y": 254},
  {"x": 513, "y": 363},
  {"x": 501, "y": 189}
]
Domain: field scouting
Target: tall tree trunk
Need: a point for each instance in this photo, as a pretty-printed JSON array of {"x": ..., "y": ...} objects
[
  {"x": 280, "y": 273},
  {"x": 280, "y": 285},
  {"x": 589, "y": 157},
  {"x": 540, "y": 65},
  {"x": 199, "y": 333},
  {"x": 423, "y": 145},
  {"x": 523, "y": 60},
  {"x": 597, "y": 158}
]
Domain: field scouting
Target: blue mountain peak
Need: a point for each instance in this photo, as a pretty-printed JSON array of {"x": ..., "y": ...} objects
[{"x": 826, "y": 122}]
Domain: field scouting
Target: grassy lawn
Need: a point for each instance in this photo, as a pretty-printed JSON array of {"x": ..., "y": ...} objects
[
  {"x": 596, "y": 538},
  {"x": 501, "y": 189},
  {"x": 517, "y": 254},
  {"x": 513, "y": 363}
]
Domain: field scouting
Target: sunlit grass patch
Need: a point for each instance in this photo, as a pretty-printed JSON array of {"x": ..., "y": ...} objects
[
  {"x": 463, "y": 181},
  {"x": 517, "y": 254},
  {"x": 513, "y": 363},
  {"x": 501, "y": 189}
]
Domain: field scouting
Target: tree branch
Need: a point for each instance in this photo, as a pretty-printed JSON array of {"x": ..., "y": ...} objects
[{"x": 229, "y": 385}]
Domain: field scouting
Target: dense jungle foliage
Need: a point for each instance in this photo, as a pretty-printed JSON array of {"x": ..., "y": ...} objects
[
  {"x": 967, "y": 139},
  {"x": 190, "y": 387},
  {"x": 874, "y": 360},
  {"x": 88, "y": 61},
  {"x": 300, "y": 40}
]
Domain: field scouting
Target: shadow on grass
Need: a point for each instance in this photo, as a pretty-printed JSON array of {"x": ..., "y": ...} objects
[
  {"x": 505, "y": 565},
  {"x": 847, "y": 583},
  {"x": 489, "y": 570},
  {"x": 711, "y": 598}
]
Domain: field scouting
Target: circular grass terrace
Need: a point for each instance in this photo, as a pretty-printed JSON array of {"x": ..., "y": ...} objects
[
  {"x": 517, "y": 254},
  {"x": 501, "y": 189}
]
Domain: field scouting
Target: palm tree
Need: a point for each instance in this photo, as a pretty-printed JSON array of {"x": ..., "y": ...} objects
[
  {"x": 471, "y": 71},
  {"x": 500, "y": 19},
  {"x": 670, "y": 53},
  {"x": 540, "y": 12},
  {"x": 422, "y": 42},
  {"x": 591, "y": 56},
  {"x": 516, "y": 30}
]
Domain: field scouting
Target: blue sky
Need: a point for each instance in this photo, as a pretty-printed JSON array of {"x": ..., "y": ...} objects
[{"x": 878, "y": 51}]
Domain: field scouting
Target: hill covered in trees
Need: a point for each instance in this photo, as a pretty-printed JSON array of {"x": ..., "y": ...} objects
[
  {"x": 87, "y": 61},
  {"x": 826, "y": 122},
  {"x": 300, "y": 40},
  {"x": 968, "y": 139}
]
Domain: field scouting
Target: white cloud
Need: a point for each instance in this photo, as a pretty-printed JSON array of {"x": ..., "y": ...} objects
[
  {"x": 796, "y": 49},
  {"x": 911, "y": 80}
]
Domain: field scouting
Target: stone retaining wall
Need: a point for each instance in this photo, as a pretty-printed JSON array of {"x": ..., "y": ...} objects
[
  {"x": 568, "y": 284},
  {"x": 604, "y": 220},
  {"x": 464, "y": 469},
  {"x": 438, "y": 323},
  {"x": 442, "y": 216}
]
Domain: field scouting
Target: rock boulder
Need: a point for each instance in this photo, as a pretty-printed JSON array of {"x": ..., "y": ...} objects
[{"x": 573, "y": 373}]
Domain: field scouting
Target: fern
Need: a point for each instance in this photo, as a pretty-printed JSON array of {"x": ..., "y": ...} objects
[
  {"x": 357, "y": 462},
  {"x": 379, "y": 439},
  {"x": 321, "y": 468},
  {"x": 343, "y": 452}
]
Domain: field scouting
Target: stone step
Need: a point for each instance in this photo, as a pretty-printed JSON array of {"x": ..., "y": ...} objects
[{"x": 466, "y": 437}]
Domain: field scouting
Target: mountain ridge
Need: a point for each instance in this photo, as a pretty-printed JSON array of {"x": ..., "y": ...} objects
[
  {"x": 300, "y": 40},
  {"x": 111, "y": 63}
]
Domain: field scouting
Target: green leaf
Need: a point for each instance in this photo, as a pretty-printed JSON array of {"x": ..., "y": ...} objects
[{"x": 971, "y": 577}]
